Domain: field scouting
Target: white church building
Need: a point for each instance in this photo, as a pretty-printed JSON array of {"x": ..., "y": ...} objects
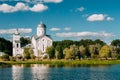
[{"x": 39, "y": 42}]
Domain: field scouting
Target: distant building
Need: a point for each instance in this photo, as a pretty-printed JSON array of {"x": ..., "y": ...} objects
[
  {"x": 17, "y": 50},
  {"x": 41, "y": 41}
]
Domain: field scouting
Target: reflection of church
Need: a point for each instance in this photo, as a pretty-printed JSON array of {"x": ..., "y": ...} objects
[{"x": 39, "y": 42}]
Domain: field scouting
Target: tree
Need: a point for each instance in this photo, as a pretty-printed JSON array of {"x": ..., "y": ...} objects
[
  {"x": 28, "y": 53},
  {"x": 74, "y": 51},
  {"x": 104, "y": 52},
  {"x": 113, "y": 51},
  {"x": 82, "y": 50},
  {"x": 67, "y": 53},
  {"x": 116, "y": 43},
  {"x": 5, "y": 57},
  {"x": 24, "y": 41},
  {"x": 58, "y": 52},
  {"x": 51, "y": 52},
  {"x": 92, "y": 50}
]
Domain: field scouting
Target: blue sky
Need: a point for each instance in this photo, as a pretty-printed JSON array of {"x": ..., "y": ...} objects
[{"x": 65, "y": 19}]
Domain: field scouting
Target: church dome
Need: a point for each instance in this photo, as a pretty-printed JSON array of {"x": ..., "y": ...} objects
[{"x": 41, "y": 25}]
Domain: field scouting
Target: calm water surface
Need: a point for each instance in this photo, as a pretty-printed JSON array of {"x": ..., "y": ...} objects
[{"x": 45, "y": 72}]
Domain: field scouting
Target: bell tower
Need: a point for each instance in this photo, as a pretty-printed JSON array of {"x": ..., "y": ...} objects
[{"x": 16, "y": 44}]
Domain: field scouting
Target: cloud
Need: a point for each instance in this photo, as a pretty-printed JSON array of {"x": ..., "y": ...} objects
[
  {"x": 81, "y": 9},
  {"x": 67, "y": 28},
  {"x": 25, "y": 30},
  {"x": 91, "y": 35},
  {"x": 35, "y": 1},
  {"x": 53, "y": 1},
  {"x": 99, "y": 17},
  {"x": 96, "y": 17},
  {"x": 54, "y": 29},
  {"x": 11, "y": 31},
  {"x": 109, "y": 19},
  {"x": 5, "y": 8},
  {"x": 38, "y": 8}
]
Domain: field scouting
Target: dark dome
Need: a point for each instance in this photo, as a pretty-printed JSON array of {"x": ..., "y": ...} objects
[{"x": 42, "y": 25}]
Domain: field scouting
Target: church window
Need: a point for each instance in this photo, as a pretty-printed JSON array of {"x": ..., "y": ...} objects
[{"x": 17, "y": 45}]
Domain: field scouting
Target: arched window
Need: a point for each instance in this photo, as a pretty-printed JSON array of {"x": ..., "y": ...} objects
[{"x": 17, "y": 45}]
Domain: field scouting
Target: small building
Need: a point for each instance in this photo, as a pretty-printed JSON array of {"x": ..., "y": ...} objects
[{"x": 41, "y": 40}]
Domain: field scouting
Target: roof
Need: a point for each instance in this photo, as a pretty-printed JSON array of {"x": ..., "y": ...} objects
[
  {"x": 38, "y": 37},
  {"x": 42, "y": 25}
]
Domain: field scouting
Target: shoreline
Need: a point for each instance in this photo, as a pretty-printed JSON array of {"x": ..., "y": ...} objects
[{"x": 65, "y": 62}]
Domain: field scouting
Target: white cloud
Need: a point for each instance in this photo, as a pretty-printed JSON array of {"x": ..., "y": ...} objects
[
  {"x": 25, "y": 30},
  {"x": 99, "y": 17},
  {"x": 54, "y": 1},
  {"x": 91, "y": 35},
  {"x": 109, "y": 19},
  {"x": 54, "y": 29},
  {"x": 96, "y": 17},
  {"x": 38, "y": 8},
  {"x": 5, "y": 8},
  {"x": 81, "y": 9},
  {"x": 67, "y": 28},
  {"x": 11, "y": 31}
]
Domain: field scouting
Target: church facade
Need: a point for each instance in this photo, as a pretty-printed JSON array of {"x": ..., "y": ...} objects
[{"x": 41, "y": 40}]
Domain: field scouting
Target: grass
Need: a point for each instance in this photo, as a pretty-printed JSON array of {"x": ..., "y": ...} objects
[{"x": 65, "y": 62}]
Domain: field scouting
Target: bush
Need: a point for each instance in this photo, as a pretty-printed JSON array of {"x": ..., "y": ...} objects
[{"x": 5, "y": 57}]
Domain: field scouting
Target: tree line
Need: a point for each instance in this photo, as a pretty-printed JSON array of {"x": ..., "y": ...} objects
[{"x": 84, "y": 49}]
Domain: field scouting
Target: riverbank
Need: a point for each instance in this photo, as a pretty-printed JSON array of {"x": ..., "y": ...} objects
[{"x": 65, "y": 62}]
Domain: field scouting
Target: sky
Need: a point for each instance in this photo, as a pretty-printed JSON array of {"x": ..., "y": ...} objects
[{"x": 65, "y": 19}]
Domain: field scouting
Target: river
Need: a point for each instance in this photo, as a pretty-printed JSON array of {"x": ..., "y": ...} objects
[{"x": 47, "y": 72}]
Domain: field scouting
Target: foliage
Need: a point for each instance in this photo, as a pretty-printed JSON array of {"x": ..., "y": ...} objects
[
  {"x": 28, "y": 53},
  {"x": 58, "y": 52},
  {"x": 105, "y": 52},
  {"x": 24, "y": 41},
  {"x": 51, "y": 52},
  {"x": 5, "y": 46},
  {"x": 5, "y": 57}
]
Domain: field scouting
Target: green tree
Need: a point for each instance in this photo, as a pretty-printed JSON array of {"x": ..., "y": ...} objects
[
  {"x": 28, "y": 53},
  {"x": 113, "y": 51},
  {"x": 74, "y": 51},
  {"x": 67, "y": 53},
  {"x": 105, "y": 52},
  {"x": 24, "y": 41},
  {"x": 92, "y": 50},
  {"x": 5, "y": 57},
  {"x": 58, "y": 52},
  {"x": 51, "y": 52},
  {"x": 82, "y": 50}
]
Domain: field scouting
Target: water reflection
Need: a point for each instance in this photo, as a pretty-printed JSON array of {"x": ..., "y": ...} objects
[
  {"x": 48, "y": 72},
  {"x": 17, "y": 72},
  {"x": 39, "y": 71},
  {"x": 29, "y": 71}
]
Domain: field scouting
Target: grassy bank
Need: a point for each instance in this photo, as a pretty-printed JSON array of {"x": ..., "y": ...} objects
[{"x": 65, "y": 62}]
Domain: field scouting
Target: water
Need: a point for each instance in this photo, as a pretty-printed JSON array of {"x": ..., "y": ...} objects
[{"x": 45, "y": 72}]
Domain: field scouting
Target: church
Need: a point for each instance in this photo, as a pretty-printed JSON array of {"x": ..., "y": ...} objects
[{"x": 39, "y": 42}]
